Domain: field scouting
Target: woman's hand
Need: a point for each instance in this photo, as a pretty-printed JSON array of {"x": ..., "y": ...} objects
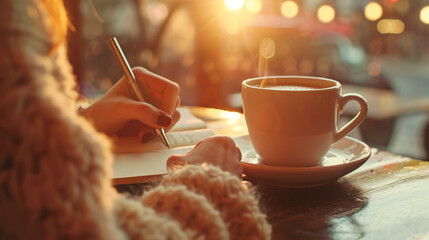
[
  {"x": 116, "y": 113},
  {"x": 219, "y": 151}
]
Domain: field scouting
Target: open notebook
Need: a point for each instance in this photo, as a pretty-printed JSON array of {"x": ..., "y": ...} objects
[{"x": 136, "y": 162}]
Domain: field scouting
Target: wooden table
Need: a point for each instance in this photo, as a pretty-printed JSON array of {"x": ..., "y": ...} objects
[{"x": 386, "y": 198}]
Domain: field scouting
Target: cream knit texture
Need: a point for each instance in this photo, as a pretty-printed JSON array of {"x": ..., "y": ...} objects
[{"x": 55, "y": 168}]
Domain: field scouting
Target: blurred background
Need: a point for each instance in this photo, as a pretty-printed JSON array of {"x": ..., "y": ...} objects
[{"x": 377, "y": 48}]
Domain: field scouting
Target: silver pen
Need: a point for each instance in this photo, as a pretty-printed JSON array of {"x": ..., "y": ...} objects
[{"x": 131, "y": 81}]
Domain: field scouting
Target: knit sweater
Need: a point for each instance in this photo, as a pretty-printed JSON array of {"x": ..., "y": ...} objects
[{"x": 55, "y": 168}]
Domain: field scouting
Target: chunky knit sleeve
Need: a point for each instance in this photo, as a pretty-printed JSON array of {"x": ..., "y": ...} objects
[
  {"x": 55, "y": 168},
  {"x": 211, "y": 202},
  {"x": 139, "y": 222}
]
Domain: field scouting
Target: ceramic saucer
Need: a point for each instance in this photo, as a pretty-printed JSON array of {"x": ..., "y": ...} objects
[{"x": 345, "y": 156}]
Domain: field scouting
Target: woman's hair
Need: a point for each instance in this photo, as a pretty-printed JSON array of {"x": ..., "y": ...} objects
[{"x": 59, "y": 19}]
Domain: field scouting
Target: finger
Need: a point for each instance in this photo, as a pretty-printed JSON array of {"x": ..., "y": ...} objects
[
  {"x": 175, "y": 116},
  {"x": 146, "y": 135},
  {"x": 239, "y": 157},
  {"x": 145, "y": 113},
  {"x": 195, "y": 147},
  {"x": 178, "y": 101},
  {"x": 132, "y": 128},
  {"x": 239, "y": 171},
  {"x": 162, "y": 91},
  {"x": 136, "y": 128},
  {"x": 239, "y": 154}
]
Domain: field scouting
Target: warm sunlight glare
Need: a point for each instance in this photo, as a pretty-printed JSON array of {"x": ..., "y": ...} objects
[
  {"x": 254, "y": 6},
  {"x": 234, "y": 4},
  {"x": 424, "y": 15},
  {"x": 373, "y": 11},
  {"x": 326, "y": 13},
  {"x": 289, "y": 9},
  {"x": 230, "y": 115},
  {"x": 232, "y": 27},
  {"x": 392, "y": 26}
]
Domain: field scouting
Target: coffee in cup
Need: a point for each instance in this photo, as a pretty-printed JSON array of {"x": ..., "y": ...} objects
[{"x": 293, "y": 120}]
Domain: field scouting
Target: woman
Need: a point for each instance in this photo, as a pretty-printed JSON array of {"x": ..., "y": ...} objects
[{"x": 55, "y": 167}]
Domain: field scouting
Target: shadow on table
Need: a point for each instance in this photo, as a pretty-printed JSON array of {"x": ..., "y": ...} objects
[{"x": 325, "y": 212}]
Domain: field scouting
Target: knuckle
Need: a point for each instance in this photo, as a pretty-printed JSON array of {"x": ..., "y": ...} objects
[
  {"x": 177, "y": 114},
  {"x": 144, "y": 107},
  {"x": 229, "y": 142},
  {"x": 139, "y": 69},
  {"x": 175, "y": 87},
  {"x": 239, "y": 154}
]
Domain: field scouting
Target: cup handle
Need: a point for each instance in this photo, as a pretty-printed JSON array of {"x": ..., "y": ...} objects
[{"x": 357, "y": 120}]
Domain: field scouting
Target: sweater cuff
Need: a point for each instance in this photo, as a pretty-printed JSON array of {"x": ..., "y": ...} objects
[
  {"x": 227, "y": 194},
  {"x": 192, "y": 211}
]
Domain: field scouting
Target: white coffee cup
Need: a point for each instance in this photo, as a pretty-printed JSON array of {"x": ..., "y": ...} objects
[{"x": 293, "y": 120}]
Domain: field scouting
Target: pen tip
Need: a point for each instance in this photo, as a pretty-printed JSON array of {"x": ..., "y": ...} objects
[{"x": 161, "y": 133}]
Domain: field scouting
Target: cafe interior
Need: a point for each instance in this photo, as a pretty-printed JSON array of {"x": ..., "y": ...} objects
[{"x": 376, "y": 48}]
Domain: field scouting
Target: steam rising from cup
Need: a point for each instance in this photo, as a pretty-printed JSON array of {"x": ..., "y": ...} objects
[{"x": 267, "y": 49}]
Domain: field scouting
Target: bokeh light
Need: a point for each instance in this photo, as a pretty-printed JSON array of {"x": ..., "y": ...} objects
[
  {"x": 289, "y": 9},
  {"x": 373, "y": 11},
  {"x": 376, "y": 46},
  {"x": 326, "y": 13},
  {"x": 254, "y": 6},
  {"x": 374, "y": 69},
  {"x": 156, "y": 12},
  {"x": 323, "y": 66},
  {"x": 306, "y": 67},
  {"x": 234, "y": 4},
  {"x": 390, "y": 26},
  {"x": 424, "y": 15}
]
